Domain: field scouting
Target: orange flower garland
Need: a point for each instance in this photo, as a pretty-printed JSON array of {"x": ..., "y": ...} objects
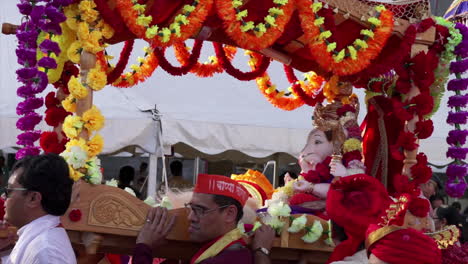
[
  {"x": 195, "y": 21},
  {"x": 139, "y": 72},
  {"x": 281, "y": 99},
  {"x": 202, "y": 69},
  {"x": 352, "y": 60},
  {"x": 233, "y": 27}
]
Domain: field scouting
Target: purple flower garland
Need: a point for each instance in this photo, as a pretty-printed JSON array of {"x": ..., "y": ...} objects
[
  {"x": 456, "y": 172},
  {"x": 37, "y": 18}
]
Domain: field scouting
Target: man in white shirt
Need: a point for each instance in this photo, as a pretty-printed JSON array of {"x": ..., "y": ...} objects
[{"x": 38, "y": 193}]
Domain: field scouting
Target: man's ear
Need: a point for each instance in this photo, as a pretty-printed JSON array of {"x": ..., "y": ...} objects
[
  {"x": 34, "y": 199},
  {"x": 231, "y": 213}
]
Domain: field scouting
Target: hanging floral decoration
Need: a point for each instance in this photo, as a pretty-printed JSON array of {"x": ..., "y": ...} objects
[
  {"x": 249, "y": 35},
  {"x": 113, "y": 73},
  {"x": 264, "y": 62},
  {"x": 90, "y": 31},
  {"x": 278, "y": 99},
  {"x": 184, "y": 25},
  {"x": 310, "y": 98},
  {"x": 54, "y": 141},
  {"x": 284, "y": 100},
  {"x": 456, "y": 184},
  {"x": 207, "y": 69},
  {"x": 354, "y": 58},
  {"x": 184, "y": 69},
  {"x": 140, "y": 72},
  {"x": 37, "y": 18},
  {"x": 389, "y": 62}
]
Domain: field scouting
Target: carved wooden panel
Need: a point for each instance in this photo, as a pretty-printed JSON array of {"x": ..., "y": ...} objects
[{"x": 111, "y": 210}]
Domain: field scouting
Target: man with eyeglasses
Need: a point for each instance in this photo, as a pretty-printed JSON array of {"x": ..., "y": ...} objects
[
  {"x": 215, "y": 210},
  {"x": 38, "y": 193}
]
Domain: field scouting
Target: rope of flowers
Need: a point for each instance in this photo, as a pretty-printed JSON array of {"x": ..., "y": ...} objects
[
  {"x": 184, "y": 69},
  {"x": 207, "y": 69},
  {"x": 115, "y": 73},
  {"x": 37, "y": 18},
  {"x": 80, "y": 153},
  {"x": 242, "y": 76},
  {"x": 184, "y": 25},
  {"x": 55, "y": 114},
  {"x": 145, "y": 68},
  {"x": 456, "y": 172},
  {"x": 309, "y": 99},
  {"x": 390, "y": 61},
  {"x": 283, "y": 100},
  {"x": 354, "y": 58},
  {"x": 249, "y": 35}
]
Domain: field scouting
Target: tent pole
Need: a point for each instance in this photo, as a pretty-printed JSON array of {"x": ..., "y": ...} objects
[{"x": 152, "y": 175}]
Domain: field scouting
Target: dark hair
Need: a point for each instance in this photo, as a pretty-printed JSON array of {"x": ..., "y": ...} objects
[
  {"x": 143, "y": 166},
  {"x": 450, "y": 214},
  {"x": 456, "y": 205},
  {"x": 222, "y": 200},
  {"x": 126, "y": 175},
  {"x": 47, "y": 174},
  {"x": 176, "y": 168},
  {"x": 436, "y": 197}
]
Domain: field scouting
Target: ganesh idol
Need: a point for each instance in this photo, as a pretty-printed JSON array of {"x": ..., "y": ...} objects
[{"x": 333, "y": 149}]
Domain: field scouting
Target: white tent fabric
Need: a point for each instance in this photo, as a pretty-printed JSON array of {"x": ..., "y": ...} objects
[{"x": 211, "y": 115}]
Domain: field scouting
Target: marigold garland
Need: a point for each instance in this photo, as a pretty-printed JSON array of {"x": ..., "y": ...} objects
[
  {"x": 265, "y": 34},
  {"x": 207, "y": 69},
  {"x": 184, "y": 69},
  {"x": 140, "y": 72},
  {"x": 91, "y": 30},
  {"x": 309, "y": 99},
  {"x": 242, "y": 76},
  {"x": 355, "y": 57},
  {"x": 276, "y": 98},
  {"x": 311, "y": 85},
  {"x": 123, "y": 61},
  {"x": 184, "y": 25}
]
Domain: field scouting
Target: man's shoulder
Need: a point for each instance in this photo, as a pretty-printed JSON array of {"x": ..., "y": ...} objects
[
  {"x": 53, "y": 243},
  {"x": 232, "y": 255}
]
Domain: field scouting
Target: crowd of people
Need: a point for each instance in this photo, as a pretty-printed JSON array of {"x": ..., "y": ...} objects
[{"x": 39, "y": 192}]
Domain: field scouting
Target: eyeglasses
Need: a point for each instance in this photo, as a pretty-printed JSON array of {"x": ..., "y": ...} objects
[
  {"x": 200, "y": 211},
  {"x": 7, "y": 191}
]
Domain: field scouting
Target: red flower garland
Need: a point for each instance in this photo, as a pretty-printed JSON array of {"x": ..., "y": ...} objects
[
  {"x": 184, "y": 69},
  {"x": 420, "y": 172},
  {"x": 424, "y": 129},
  {"x": 407, "y": 140},
  {"x": 50, "y": 144},
  {"x": 110, "y": 16},
  {"x": 419, "y": 207},
  {"x": 123, "y": 61},
  {"x": 229, "y": 68},
  {"x": 296, "y": 87},
  {"x": 383, "y": 64}
]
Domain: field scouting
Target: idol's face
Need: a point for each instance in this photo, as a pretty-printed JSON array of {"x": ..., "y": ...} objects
[{"x": 317, "y": 149}]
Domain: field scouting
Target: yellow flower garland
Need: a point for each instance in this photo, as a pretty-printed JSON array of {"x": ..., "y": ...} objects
[
  {"x": 95, "y": 145},
  {"x": 93, "y": 119},
  {"x": 89, "y": 31},
  {"x": 352, "y": 144}
]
